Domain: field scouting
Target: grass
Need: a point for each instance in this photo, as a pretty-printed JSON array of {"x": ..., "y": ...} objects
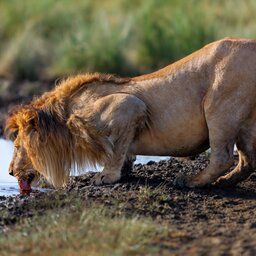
[
  {"x": 47, "y": 39},
  {"x": 81, "y": 228},
  {"x": 96, "y": 221}
]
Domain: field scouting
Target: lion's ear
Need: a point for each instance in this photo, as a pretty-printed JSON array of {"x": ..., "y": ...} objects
[
  {"x": 41, "y": 122},
  {"x": 28, "y": 121},
  {"x": 33, "y": 124}
]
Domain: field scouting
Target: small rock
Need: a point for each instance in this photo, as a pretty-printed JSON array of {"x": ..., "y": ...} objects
[
  {"x": 253, "y": 225},
  {"x": 151, "y": 162}
]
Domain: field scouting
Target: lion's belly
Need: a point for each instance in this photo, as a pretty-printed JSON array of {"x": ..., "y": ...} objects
[
  {"x": 158, "y": 149},
  {"x": 188, "y": 137},
  {"x": 176, "y": 120}
]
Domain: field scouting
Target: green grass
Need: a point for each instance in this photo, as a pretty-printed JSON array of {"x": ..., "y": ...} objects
[
  {"x": 105, "y": 223},
  {"x": 47, "y": 39},
  {"x": 81, "y": 229}
]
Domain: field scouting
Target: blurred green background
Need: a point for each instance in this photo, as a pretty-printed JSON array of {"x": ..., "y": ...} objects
[{"x": 42, "y": 40}]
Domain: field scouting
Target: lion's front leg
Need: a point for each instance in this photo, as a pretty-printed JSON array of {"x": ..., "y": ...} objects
[
  {"x": 111, "y": 171},
  {"x": 124, "y": 115},
  {"x": 127, "y": 166},
  {"x": 107, "y": 176}
]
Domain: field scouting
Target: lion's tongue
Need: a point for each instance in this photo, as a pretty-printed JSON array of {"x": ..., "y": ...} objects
[{"x": 25, "y": 187}]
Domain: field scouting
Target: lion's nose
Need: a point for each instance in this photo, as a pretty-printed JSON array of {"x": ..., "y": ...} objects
[{"x": 11, "y": 172}]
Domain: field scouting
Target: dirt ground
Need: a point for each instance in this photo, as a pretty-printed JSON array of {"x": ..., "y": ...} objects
[{"x": 207, "y": 221}]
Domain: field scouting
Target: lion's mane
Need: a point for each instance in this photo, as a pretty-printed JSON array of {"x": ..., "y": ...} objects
[{"x": 56, "y": 141}]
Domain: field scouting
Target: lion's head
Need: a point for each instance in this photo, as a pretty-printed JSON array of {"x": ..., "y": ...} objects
[
  {"x": 47, "y": 144},
  {"x": 22, "y": 168},
  {"x": 39, "y": 146},
  {"x": 21, "y": 165}
]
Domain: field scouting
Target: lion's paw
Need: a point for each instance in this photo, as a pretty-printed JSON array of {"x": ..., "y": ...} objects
[
  {"x": 191, "y": 181},
  {"x": 105, "y": 178},
  {"x": 187, "y": 181},
  {"x": 180, "y": 181}
]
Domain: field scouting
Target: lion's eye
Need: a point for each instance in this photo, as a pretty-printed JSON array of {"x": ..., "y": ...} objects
[
  {"x": 17, "y": 147},
  {"x": 14, "y": 135}
]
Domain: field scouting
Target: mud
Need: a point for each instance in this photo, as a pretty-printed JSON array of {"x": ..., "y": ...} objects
[{"x": 207, "y": 221}]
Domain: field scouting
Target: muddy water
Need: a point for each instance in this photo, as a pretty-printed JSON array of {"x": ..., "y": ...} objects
[{"x": 8, "y": 184}]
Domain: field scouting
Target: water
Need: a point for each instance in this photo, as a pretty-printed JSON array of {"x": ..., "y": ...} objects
[{"x": 9, "y": 185}]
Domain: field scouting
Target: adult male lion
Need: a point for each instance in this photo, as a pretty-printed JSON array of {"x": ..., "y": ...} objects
[{"x": 206, "y": 99}]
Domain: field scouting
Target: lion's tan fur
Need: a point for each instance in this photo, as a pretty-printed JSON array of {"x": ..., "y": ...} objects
[{"x": 206, "y": 99}]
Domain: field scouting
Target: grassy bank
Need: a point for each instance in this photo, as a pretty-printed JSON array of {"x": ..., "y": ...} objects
[
  {"x": 83, "y": 230},
  {"x": 47, "y": 39},
  {"x": 91, "y": 221}
]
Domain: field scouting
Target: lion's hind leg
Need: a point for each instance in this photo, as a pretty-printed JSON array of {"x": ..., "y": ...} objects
[
  {"x": 246, "y": 146},
  {"x": 228, "y": 108},
  {"x": 223, "y": 127},
  {"x": 123, "y": 116},
  {"x": 222, "y": 141},
  {"x": 220, "y": 161}
]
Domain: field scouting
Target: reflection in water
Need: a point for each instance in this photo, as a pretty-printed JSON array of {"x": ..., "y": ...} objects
[
  {"x": 6, "y": 149},
  {"x": 9, "y": 188},
  {"x": 146, "y": 159},
  {"x": 8, "y": 184}
]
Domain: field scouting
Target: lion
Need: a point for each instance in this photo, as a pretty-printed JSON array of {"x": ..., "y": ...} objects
[{"x": 205, "y": 100}]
